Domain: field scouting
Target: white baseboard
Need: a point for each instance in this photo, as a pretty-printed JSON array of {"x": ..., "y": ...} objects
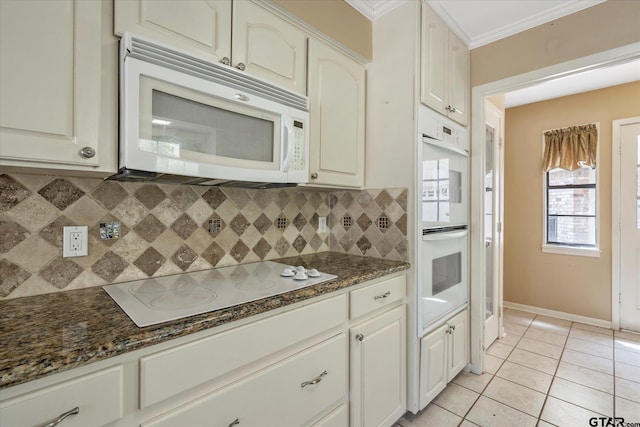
[{"x": 558, "y": 314}]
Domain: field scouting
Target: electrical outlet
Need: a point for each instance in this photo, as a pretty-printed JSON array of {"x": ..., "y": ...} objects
[
  {"x": 75, "y": 241},
  {"x": 322, "y": 224}
]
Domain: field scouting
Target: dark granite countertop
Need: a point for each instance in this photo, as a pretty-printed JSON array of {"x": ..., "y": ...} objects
[{"x": 46, "y": 334}]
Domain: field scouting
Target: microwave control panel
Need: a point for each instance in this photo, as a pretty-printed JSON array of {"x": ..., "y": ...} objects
[{"x": 298, "y": 160}]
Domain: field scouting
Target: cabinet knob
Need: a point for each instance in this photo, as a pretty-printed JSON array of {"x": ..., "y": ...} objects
[
  {"x": 74, "y": 411},
  {"x": 314, "y": 175},
  {"x": 234, "y": 422},
  {"x": 225, "y": 61},
  {"x": 451, "y": 109},
  {"x": 87, "y": 152},
  {"x": 240, "y": 66},
  {"x": 359, "y": 337}
]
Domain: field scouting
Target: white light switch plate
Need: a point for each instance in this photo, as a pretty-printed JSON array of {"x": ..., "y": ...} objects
[{"x": 75, "y": 241}]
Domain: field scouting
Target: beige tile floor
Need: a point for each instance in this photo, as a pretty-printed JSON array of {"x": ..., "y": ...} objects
[{"x": 545, "y": 372}]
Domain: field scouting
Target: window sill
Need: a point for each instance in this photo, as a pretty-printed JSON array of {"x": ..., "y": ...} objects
[{"x": 569, "y": 250}]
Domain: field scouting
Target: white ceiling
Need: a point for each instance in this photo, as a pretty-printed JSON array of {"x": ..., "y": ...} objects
[
  {"x": 576, "y": 83},
  {"x": 479, "y": 22}
]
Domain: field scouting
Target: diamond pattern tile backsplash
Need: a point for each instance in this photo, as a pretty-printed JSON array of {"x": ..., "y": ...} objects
[{"x": 168, "y": 229}]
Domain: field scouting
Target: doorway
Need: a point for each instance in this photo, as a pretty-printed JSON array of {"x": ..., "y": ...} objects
[
  {"x": 626, "y": 239},
  {"x": 478, "y": 96},
  {"x": 493, "y": 219}
]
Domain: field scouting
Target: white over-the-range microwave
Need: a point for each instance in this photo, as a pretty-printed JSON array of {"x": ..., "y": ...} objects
[{"x": 187, "y": 120}]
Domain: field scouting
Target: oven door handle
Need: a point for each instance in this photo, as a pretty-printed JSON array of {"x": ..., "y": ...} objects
[
  {"x": 436, "y": 143},
  {"x": 445, "y": 235}
]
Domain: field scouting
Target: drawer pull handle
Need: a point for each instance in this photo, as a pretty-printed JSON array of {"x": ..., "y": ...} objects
[
  {"x": 385, "y": 295},
  {"x": 359, "y": 337},
  {"x": 74, "y": 411},
  {"x": 235, "y": 422},
  {"x": 316, "y": 380}
]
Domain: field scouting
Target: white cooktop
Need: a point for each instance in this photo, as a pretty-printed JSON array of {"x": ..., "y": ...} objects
[{"x": 156, "y": 300}]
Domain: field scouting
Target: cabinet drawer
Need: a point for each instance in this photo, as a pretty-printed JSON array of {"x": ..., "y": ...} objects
[
  {"x": 339, "y": 417},
  {"x": 375, "y": 296},
  {"x": 203, "y": 360},
  {"x": 98, "y": 397},
  {"x": 274, "y": 396}
]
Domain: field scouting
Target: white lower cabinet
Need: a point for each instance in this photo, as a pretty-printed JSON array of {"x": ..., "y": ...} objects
[
  {"x": 339, "y": 417},
  {"x": 289, "y": 393},
  {"x": 378, "y": 370},
  {"x": 90, "y": 400},
  {"x": 208, "y": 358},
  {"x": 336, "y": 361},
  {"x": 458, "y": 344},
  {"x": 443, "y": 354}
]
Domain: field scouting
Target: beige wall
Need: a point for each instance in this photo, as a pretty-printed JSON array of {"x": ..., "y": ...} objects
[
  {"x": 498, "y": 101},
  {"x": 605, "y": 26},
  {"x": 336, "y": 19},
  {"x": 571, "y": 284}
]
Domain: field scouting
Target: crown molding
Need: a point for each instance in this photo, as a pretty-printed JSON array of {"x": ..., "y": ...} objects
[
  {"x": 515, "y": 27},
  {"x": 373, "y": 9}
]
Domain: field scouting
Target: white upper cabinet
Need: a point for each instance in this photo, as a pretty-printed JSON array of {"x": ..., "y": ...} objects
[
  {"x": 269, "y": 47},
  {"x": 435, "y": 41},
  {"x": 459, "y": 80},
  {"x": 254, "y": 40},
  {"x": 50, "y": 86},
  {"x": 445, "y": 69},
  {"x": 202, "y": 27},
  {"x": 337, "y": 114}
]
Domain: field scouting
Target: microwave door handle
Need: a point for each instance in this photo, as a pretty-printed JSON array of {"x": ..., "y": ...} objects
[
  {"x": 286, "y": 148},
  {"x": 445, "y": 235}
]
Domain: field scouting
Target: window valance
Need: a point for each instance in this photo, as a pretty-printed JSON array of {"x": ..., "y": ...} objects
[{"x": 570, "y": 148}]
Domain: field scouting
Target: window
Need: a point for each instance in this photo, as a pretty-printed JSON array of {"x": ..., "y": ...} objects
[
  {"x": 570, "y": 190},
  {"x": 571, "y": 208}
]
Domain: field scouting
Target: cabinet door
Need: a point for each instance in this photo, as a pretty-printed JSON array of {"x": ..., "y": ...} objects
[
  {"x": 433, "y": 364},
  {"x": 336, "y": 97},
  {"x": 433, "y": 88},
  {"x": 269, "y": 47},
  {"x": 458, "y": 344},
  {"x": 378, "y": 369},
  {"x": 200, "y": 27},
  {"x": 459, "y": 58},
  {"x": 50, "y": 81}
]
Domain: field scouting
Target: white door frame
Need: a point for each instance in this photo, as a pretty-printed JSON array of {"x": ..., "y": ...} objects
[
  {"x": 478, "y": 95},
  {"x": 497, "y": 217},
  {"x": 615, "y": 218}
]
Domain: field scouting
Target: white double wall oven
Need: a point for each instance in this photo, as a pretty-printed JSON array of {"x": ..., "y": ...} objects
[{"x": 443, "y": 272}]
